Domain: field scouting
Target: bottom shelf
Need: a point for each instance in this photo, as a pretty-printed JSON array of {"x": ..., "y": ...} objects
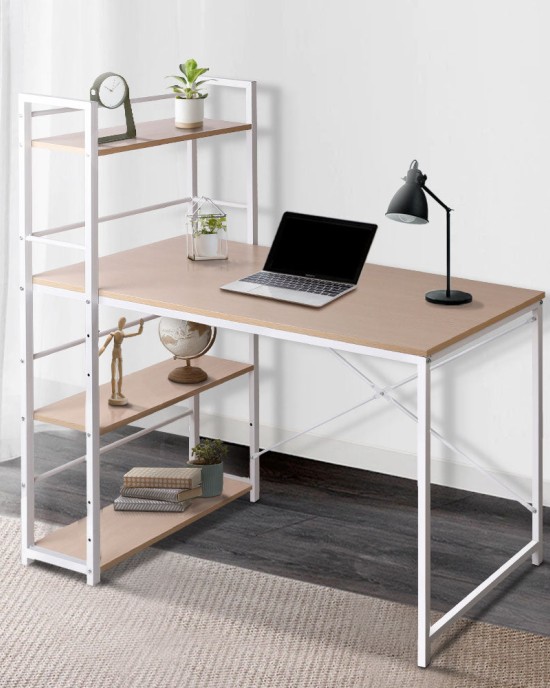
[{"x": 124, "y": 533}]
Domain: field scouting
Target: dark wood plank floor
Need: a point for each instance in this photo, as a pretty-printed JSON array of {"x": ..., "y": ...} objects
[{"x": 321, "y": 523}]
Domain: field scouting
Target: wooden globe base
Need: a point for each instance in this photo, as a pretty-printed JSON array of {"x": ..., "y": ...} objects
[{"x": 188, "y": 375}]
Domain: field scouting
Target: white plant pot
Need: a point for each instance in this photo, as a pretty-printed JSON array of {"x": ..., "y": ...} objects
[
  {"x": 207, "y": 245},
  {"x": 189, "y": 112}
]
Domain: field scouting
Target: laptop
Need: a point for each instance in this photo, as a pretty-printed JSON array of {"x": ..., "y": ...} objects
[{"x": 312, "y": 261}]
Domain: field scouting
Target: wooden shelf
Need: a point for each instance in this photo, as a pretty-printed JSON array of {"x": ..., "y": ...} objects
[
  {"x": 124, "y": 533},
  {"x": 149, "y": 134},
  {"x": 149, "y": 390}
]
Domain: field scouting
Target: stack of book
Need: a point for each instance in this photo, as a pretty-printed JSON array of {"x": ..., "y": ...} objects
[{"x": 159, "y": 489}]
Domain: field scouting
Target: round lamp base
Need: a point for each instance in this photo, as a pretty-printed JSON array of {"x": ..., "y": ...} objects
[
  {"x": 187, "y": 375},
  {"x": 455, "y": 298}
]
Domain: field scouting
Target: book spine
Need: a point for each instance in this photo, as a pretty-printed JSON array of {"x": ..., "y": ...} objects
[
  {"x": 173, "y": 483},
  {"x": 161, "y": 494},
  {"x": 129, "y": 504}
]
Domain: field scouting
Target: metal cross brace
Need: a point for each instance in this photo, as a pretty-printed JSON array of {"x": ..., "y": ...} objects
[{"x": 385, "y": 392}]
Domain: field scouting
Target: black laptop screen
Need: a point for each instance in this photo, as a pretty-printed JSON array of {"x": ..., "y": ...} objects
[{"x": 321, "y": 247}]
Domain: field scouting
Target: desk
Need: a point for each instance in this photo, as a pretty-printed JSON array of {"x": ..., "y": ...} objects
[{"x": 386, "y": 317}]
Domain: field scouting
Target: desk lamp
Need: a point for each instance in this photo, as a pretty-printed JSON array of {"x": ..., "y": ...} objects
[{"x": 410, "y": 205}]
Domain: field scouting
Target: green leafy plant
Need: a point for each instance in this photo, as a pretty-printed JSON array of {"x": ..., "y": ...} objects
[
  {"x": 208, "y": 452},
  {"x": 188, "y": 83},
  {"x": 209, "y": 224}
]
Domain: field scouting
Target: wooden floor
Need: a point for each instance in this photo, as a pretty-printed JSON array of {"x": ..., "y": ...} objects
[{"x": 334, "y": 526}]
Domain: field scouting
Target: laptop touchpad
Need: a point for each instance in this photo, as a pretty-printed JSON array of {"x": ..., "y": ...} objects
[{"x": 246, "y": 287}]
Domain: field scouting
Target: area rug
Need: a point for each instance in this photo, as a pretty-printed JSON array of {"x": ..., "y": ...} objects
[{"x": 165, "y": 619}]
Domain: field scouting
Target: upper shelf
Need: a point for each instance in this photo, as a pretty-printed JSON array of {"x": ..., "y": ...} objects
[{"x": 149, "y": 134}]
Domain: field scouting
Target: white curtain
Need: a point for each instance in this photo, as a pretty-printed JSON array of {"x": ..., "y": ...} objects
[
  {"x": 9, "y": 326},
  {"x": 59, "y": 47}
]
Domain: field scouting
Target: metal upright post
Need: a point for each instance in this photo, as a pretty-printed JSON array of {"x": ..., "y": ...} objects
[
  {"x": 192, "y": 168},
  {"x": 26, "y": 327},
  {"x": 194, "y": 423},
  {"x": 537, "y": 476},
  {"x": 424, "y": 518},
  {"x": 254, "y": 435},
  {"x": 92, "y": 343},
  {"x": 252, "y": 172},
  {"x": 192, "y": 186},
  {"x": 252, "y": 238}
]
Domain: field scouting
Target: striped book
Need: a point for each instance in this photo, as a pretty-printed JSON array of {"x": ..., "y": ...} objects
[
  {"x": 162, "y": 494},
  {"x": 132, "y": 504},
  {"x": 176, "y": 478}
]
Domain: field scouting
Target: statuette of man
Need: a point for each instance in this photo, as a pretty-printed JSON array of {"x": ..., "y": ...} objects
[{"x": 117, "y": 337}]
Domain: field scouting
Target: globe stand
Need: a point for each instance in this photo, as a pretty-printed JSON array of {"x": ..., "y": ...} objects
[{"x": 188, "y": 374}]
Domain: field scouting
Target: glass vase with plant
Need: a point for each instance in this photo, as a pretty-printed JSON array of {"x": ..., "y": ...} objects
[{"x": 206, "y": 230}]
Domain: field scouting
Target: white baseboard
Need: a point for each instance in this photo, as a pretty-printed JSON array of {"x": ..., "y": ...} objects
[{"x": 444, "y": 472}]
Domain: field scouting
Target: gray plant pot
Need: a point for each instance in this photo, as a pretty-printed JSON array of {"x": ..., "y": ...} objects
[{"x": 212, "y": 479}]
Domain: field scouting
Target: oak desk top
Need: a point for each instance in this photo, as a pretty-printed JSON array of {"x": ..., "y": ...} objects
[{"x": 387, "y": 310}]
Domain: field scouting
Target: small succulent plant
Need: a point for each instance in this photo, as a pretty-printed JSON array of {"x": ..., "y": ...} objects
[{"x": 208, "y": 452}]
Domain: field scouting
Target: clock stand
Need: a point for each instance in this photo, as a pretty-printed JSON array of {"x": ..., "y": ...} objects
[{"x": 100, "y": 87}]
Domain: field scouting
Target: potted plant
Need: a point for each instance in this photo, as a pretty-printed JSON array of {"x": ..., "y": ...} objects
[
  {"x": 189, "y": 97},
  {"x": 206, "y": 234},
  {"x": 209, "y": 455}
]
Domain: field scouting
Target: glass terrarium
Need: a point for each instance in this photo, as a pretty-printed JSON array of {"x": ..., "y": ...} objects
[{"x": 206, "y": 230}]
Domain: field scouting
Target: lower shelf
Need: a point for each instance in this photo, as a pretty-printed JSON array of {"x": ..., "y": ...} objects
[
  {"x": 149, "y": 390},
  {"x": 124, "y": 533}
]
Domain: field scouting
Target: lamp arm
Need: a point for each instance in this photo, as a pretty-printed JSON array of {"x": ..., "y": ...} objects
[
  {"x": 438, "y": 200},
  {"x": 448, "y": 211}
]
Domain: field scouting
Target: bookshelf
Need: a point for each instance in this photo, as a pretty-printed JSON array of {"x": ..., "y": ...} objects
[{"x": 105, "y": 537}]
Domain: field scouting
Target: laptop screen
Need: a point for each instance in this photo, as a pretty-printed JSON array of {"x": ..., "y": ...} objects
[{"x": 321, "y": 247}]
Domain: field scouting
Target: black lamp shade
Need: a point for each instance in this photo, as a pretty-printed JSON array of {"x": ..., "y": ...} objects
[{"x": 409, "y": 205}]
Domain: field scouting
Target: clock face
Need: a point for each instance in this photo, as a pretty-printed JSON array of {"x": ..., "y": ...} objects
[{"x": 112, "y": 91}]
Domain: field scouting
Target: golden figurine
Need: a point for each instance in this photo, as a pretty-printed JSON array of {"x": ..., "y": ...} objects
[{"x": 117, "y": 398}]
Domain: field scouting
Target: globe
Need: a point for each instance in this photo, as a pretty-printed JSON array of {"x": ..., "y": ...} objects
[{"x": 187, "y": 340}]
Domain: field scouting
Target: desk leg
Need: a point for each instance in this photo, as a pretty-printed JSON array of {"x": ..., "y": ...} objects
[
  {"x": 253, "y": 406},
  {"x": 537, "y": 536},
  {"x": 424, "y": 516},
  {"x": 194, "y": 424}
]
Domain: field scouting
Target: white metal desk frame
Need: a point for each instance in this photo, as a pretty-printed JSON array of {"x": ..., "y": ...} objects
[{"x": 531, "y": 316}]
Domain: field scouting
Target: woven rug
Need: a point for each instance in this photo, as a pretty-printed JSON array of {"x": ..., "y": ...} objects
[{"x": 164, "y": 619}]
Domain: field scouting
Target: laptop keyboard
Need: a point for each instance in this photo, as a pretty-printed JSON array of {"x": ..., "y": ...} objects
[{"x": 307, "y": 284}]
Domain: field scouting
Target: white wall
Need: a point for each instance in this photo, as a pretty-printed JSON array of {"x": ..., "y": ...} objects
[{"x": 349, "y": 93}]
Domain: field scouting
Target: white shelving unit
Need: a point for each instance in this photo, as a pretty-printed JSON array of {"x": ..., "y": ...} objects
[{"x": 106, "y": 537}]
